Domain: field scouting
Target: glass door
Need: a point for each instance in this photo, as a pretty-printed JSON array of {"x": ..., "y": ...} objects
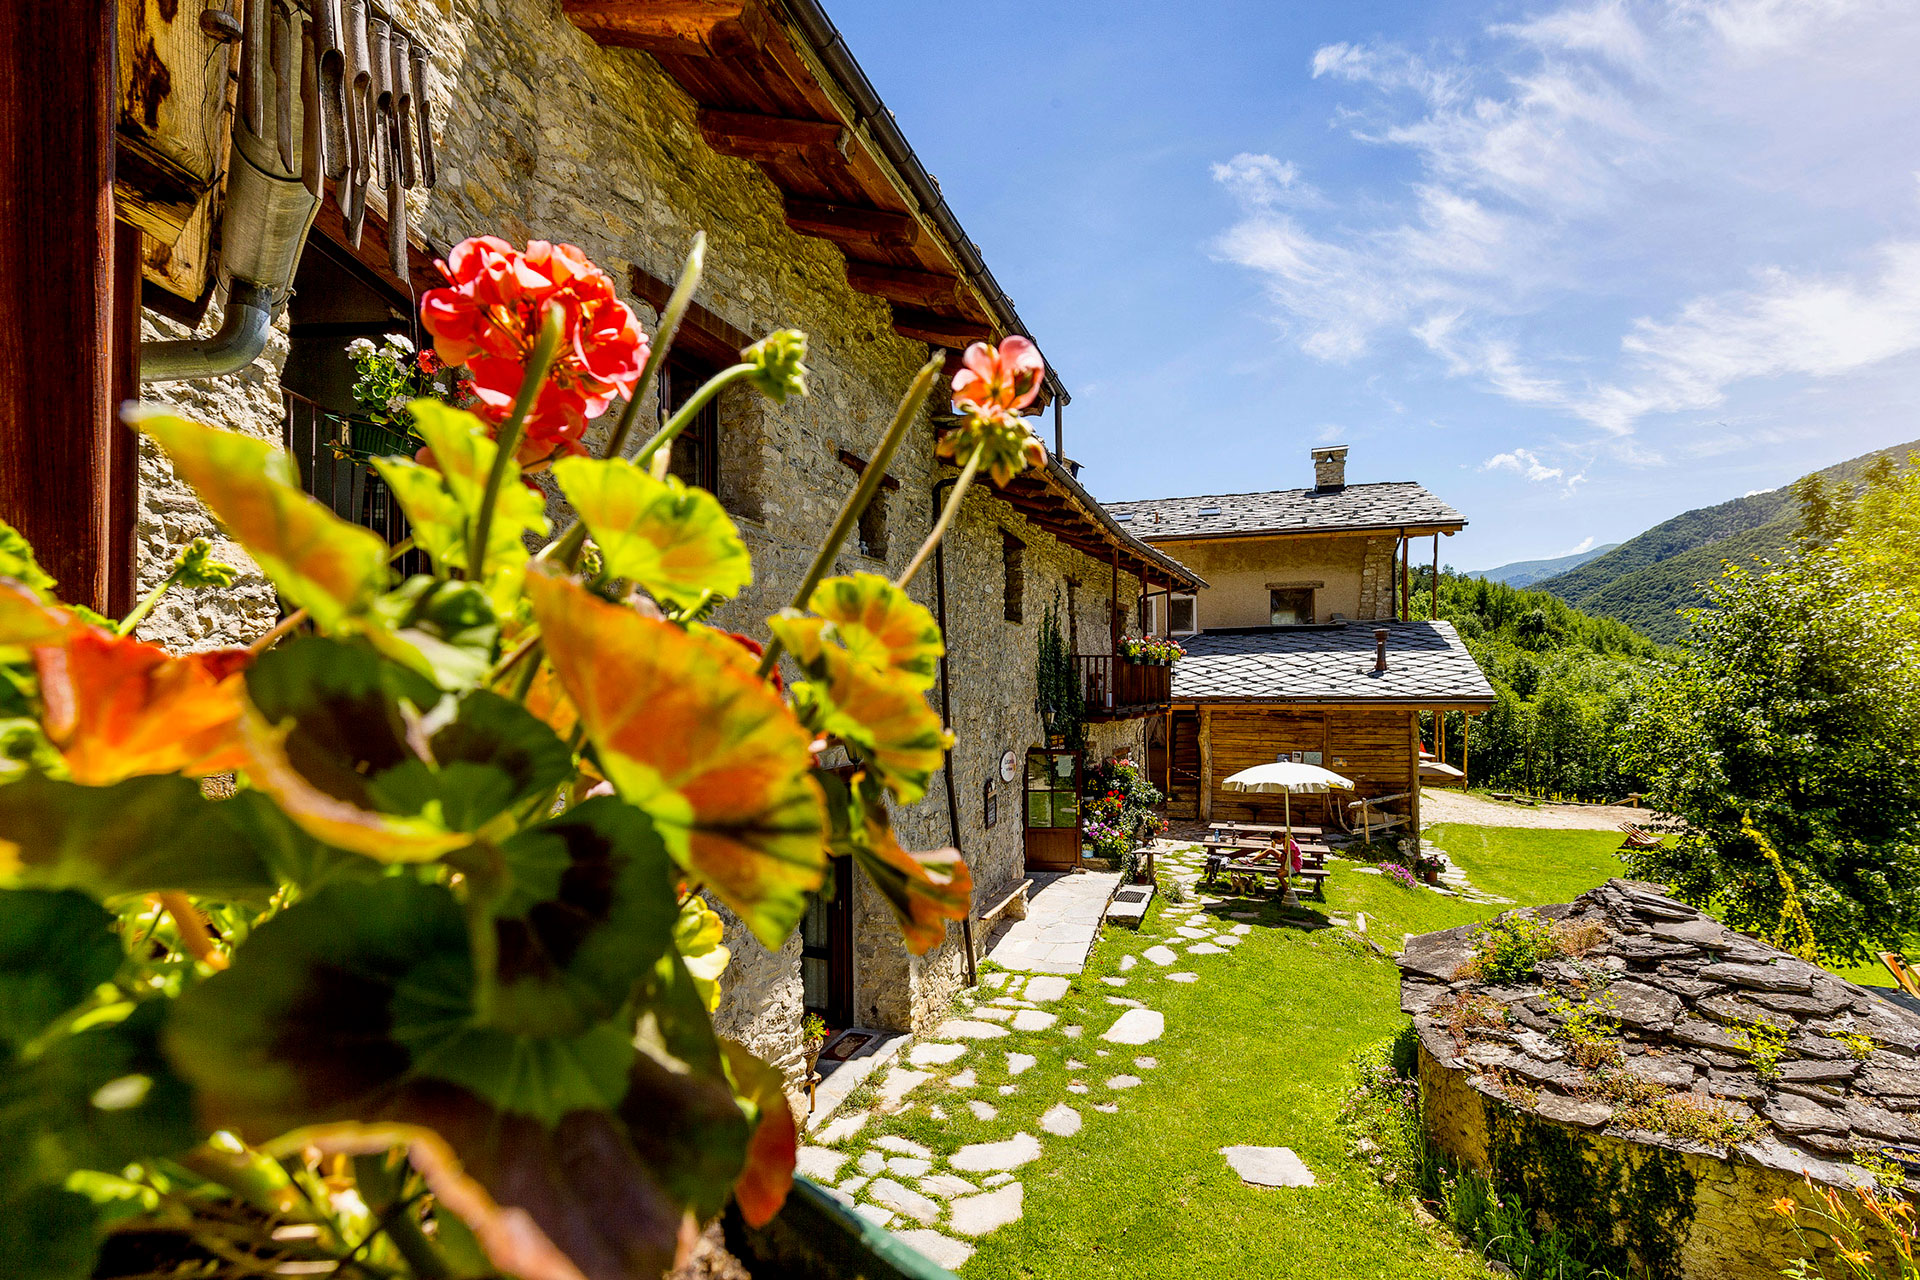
[{"x": 1053, "y": 810}]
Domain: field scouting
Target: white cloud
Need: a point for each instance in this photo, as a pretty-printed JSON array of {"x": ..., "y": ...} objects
[
  {"x": 1616, "y": 210},
  {"x": 1525, "y": 463},
  {"x": 1585, "y": 544}
]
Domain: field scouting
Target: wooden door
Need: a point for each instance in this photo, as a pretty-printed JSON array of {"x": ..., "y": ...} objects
[
  {"x": 1053, "y": 810},
  {"x": 826, "y": 949}
]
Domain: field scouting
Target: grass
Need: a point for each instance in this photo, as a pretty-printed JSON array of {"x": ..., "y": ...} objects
[{"x": 1259, "y": 1051}]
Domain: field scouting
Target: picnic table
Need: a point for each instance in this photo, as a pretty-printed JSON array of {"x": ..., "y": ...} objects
[{"x": 1265, "y": 829}]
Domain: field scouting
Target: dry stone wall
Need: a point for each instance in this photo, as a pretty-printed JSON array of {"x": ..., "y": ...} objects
[{"x": 1663, "y": 1080}]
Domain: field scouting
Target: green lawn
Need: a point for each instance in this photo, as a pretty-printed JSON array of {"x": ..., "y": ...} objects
[{"x": 1255, "y": 1052}]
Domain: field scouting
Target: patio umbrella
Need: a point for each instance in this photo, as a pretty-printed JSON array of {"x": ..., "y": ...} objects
[{"x": 1288, "y": 778}]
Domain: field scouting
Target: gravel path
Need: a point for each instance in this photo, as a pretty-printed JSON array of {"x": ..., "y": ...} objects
[{"x": 1454, "y": 806}]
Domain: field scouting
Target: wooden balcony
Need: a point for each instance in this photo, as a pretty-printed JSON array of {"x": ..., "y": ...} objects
[{"x": 1116, "y": 689}]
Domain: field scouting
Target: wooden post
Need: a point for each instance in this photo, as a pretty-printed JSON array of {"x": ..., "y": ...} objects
[
  {"x": 1113, "y": 604},
  {"x": 1435, "y": 614},
  {"x": 1406, "y": 577},
  {"x": 1466, "y": 736},
  {"x": 1206, "y": 763},
  {"x": 1413, "y": 775},
  {"x": 57, "y": 89}
]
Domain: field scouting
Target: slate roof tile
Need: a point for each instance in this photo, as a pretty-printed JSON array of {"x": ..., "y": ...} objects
[
  {"x": 1387, "y": 505},
  {"x": 1426, "y": 661}
]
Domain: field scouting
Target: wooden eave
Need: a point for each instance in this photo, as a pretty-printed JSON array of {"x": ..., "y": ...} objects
[
  {"x": 763, "y": 96},
  {"x": 1414, "y": 529},
  {"x": 1472, "y": 706},
  {"x": 1050, "y": 498}
]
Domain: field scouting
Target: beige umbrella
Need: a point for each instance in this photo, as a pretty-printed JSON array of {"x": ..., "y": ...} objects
[{"x": 1288, "y": 778}]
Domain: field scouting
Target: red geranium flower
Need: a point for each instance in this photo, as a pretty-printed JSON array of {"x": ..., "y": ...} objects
[
  {"x": 993, "y": 386},
  {"x": 489, "y": 318}
]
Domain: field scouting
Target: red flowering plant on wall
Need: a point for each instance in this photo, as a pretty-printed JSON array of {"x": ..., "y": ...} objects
[{"x": 424, "y": 987}]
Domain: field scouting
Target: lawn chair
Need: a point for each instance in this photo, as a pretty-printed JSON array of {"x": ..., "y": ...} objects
[
  {"x": 1638, "y": 837},
  {"x": 1897, "y": 966}
]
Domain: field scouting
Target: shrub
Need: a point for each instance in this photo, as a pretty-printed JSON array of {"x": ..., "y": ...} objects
[{"x": 1765, "y": 1044}]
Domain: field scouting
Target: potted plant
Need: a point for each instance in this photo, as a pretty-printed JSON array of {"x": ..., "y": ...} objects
[
  {"x": 813, "y": 1038},
  {"x": 1133, "y": 649}
]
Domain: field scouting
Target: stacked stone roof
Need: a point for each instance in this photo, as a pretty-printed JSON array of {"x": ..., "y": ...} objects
[
  {"x": 1393, "y": 504},
  {"x": 1683, "y": 990},
  {"x": 1426, "y": 661}
]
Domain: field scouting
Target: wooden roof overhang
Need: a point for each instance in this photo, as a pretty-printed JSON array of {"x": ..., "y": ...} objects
[
  {"x": 775, "y": 85},
  {"x": 1412, "y": 529},
  {"x": 1051, "y": 498}
]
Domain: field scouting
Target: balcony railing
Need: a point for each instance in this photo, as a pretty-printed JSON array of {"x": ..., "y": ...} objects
[{"x": 1116, "y": 689}]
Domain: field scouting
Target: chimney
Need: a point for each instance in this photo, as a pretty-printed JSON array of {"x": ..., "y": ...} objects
[
  {"x": 1379, "y": 650},
  {"x": 1330, "y": 469}
]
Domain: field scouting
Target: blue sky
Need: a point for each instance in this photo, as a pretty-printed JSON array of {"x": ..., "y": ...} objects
[{"x": 1576, "y": 267}]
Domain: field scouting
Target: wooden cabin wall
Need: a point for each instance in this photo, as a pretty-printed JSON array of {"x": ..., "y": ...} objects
[{"x": 1374, "y": 747}]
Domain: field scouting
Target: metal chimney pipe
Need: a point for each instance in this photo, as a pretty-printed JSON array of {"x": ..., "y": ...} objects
[{"x": 1379, "y": 650}]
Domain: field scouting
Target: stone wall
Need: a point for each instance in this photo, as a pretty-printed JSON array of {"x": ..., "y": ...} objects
[{"x": 542, "y": 134}]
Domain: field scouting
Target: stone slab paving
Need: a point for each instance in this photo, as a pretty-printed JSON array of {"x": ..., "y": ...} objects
[
  {"x": 995, "y": 1157},
  {"x": 969, "y": 1029},
  {"x": 935, "y": 1053},
  {"x": 1061, "y": 1120},
  {"x": 1034, "y": 1020},
  {"x": 1269, "y": 1166},
  {"x": 1162, "y": 956},
  {"x": 1064, "y": 911},
  {"x": 942, "y": 1250},
  {"x": 1183, "y": 977},
  {"x": 1019, "y": 1062},
  {"x": 977, "y": 1215},
  {"x": 1136, "y": 1026}
]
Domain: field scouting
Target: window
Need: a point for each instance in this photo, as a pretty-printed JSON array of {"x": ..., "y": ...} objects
[
  {"x": 1182, "y": 616},
  {"x": 1292, "y": 606},
  {"x": 696, "y": 451},
  {"x": 873, "y": 528},
  {"x": 1013, "y": 551},
  {"x": 1163, "y": 615}
]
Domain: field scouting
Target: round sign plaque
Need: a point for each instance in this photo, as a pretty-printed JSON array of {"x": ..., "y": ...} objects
[{"x": 1006, "y": 767}]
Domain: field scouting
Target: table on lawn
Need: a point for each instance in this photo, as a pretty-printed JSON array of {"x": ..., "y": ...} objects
[{"x": 1264, "y": 829}]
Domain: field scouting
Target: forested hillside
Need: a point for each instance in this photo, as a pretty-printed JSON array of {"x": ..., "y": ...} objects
[
  {"x": 1646, "y": 580},
  {"x": 1524, "y": 573},
  {"x": 1562, "y": 680}
]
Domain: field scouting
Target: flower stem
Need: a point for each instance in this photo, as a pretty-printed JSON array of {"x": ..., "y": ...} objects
[
  {"x": 683, "y": 416},
  {"x": 876, "y": 471},
  {"x": 145, "y": 607},
  {"x": 280, "y": 629},
  {"x": 552, "y": 329},
  {"x": 967, "y": 473},
  {"x": 193, "y": 930},
  {"x": 567, "y": 547}
]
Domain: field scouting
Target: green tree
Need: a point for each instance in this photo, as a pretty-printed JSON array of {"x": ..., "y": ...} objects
[{"x": 1788, "y": 738}]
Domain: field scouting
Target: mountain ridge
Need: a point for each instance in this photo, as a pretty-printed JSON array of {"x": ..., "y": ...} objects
[{"x": 1525, "y": 573}]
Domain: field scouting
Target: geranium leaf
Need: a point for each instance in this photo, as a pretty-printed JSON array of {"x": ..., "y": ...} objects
[
  {"x": 443, "y": 500},
  {"x": 353, "y": 1008},
  {"x": 55, "y": 948},
  {"x": 881, "y": 626},
  {"x": 676, "y": 542},
  {"x": 882, "y": 716},
  {"x": 145, "y": 835},
  {"x": 685, "y": 732},
  {"x": 26, "y": 618},
  {"x": 115, "y": 707},
  {"x": 924, "y": 890},
  {"x": 443, "y": 630},
  {"x": 48, "y": 1233},
  {"x": 343, "y": 740},
  {"x": 17, "y": 562},
  {"x": 697, "y": 935},
  {"x": 328, "y": 567},
  {"x": 775, "y": 1145},
  {"x": 590, "y": 910}
]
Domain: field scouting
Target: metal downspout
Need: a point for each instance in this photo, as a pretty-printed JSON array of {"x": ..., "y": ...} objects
[{"x": 946, "y": 716}]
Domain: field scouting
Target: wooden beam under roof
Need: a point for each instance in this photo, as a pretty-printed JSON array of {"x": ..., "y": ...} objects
[
  {"x": 900, "y": 284},
  {"x": 687, "y": 28},
  {"x": 749, "y": 135},
  {"x": 936, "y": 329},
  {"x": 852, "y": 223}
]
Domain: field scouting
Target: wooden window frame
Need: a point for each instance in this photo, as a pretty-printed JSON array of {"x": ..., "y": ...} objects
[
  {"x": 679, "y": 379},
  {"x": 1313, "y": 612},
  {"x": 1014, "y": 585}
]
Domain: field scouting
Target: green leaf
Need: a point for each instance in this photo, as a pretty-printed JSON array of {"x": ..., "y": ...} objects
[
  {"x": 365, "y": 755},
  {"x": 47, "y": 1233},
  {"x": 697, "y": 936},
  {"x": 17, "y": 562},
  {"x": 55, "y": 948},
  {"x": 443, "y": 501},
  {"x": 321, "y": 563},
  {"x": 923, "y": 890},
  {"x": 590, "y": 910},
  {"x": 144, "y": 835},
  {"x": 881, "y": 626},
  {"x": 676, "y": 542},
  {"x": 442, "y": 630}
]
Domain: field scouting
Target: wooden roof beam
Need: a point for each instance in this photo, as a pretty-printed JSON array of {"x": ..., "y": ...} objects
[
  {"x": 852, "y": 223},
  {"x": 955, "y": 333},
  {"x": 899, "y": 284},
  {"x": 747, "y": 135},
  {"x": 687, "y": 28}
]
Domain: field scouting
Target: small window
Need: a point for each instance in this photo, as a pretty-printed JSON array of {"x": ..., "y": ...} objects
[
  {"x": 1013, "y": 552},
  {"x": 1181, "y": 616},
  {"x": 696, "y": 451},
  {"x": 873, "y": 528},
  {"x": 1292, "y": 606},
  {"x": 1123, "y": 517},
  {"x": 1209, "y": 511}
]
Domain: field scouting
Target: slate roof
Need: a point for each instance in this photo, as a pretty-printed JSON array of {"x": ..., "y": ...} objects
[
  {"x": 1426, "y": 662},
  {"x": 1387, "y": 505}
]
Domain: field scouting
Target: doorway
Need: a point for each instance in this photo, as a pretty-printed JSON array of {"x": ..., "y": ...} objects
[
  {"x": 1053, "y": 810},
  {"x": 826, "y": 949}
]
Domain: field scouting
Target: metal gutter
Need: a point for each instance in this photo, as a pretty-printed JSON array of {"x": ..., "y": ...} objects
[
  {"x": 1062, "y": 479},
  {"x": 831, "y": 49}
]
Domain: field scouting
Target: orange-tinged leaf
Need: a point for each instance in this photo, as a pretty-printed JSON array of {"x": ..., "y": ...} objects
[
  {"x": 686, "y": 733},
  {"x": 881, "y": 626},
  {"x": 775, "y": 1145},
  {"x": 924, "y": 890},
  {"x": 330, "y": 568},
  {"x": 115, "y": 707},
  {"x": 676, "y": 542},
  {"x": 881, "y": 715},
  {"x": 25, "y": 619}
]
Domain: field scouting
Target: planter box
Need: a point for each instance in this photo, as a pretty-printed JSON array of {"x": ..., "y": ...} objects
[{"x": 815, "y": 1237}]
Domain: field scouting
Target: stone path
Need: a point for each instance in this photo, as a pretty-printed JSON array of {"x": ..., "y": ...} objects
[
  {"x": 1453, "y": 879},
  {"x": 1064, "y": 911},
  {"x": 942, "y": 1197}
]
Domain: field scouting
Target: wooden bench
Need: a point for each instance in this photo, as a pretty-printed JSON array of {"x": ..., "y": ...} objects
[
  {"x": 1013, "y": 906},
  {"x": 1638, "y": 837},
  {"x": 1265, "y": 829},
  {"x": 1315, "y": 876}
]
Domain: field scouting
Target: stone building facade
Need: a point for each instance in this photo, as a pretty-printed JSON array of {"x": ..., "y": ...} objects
[{"x": 540, "y": 133}]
